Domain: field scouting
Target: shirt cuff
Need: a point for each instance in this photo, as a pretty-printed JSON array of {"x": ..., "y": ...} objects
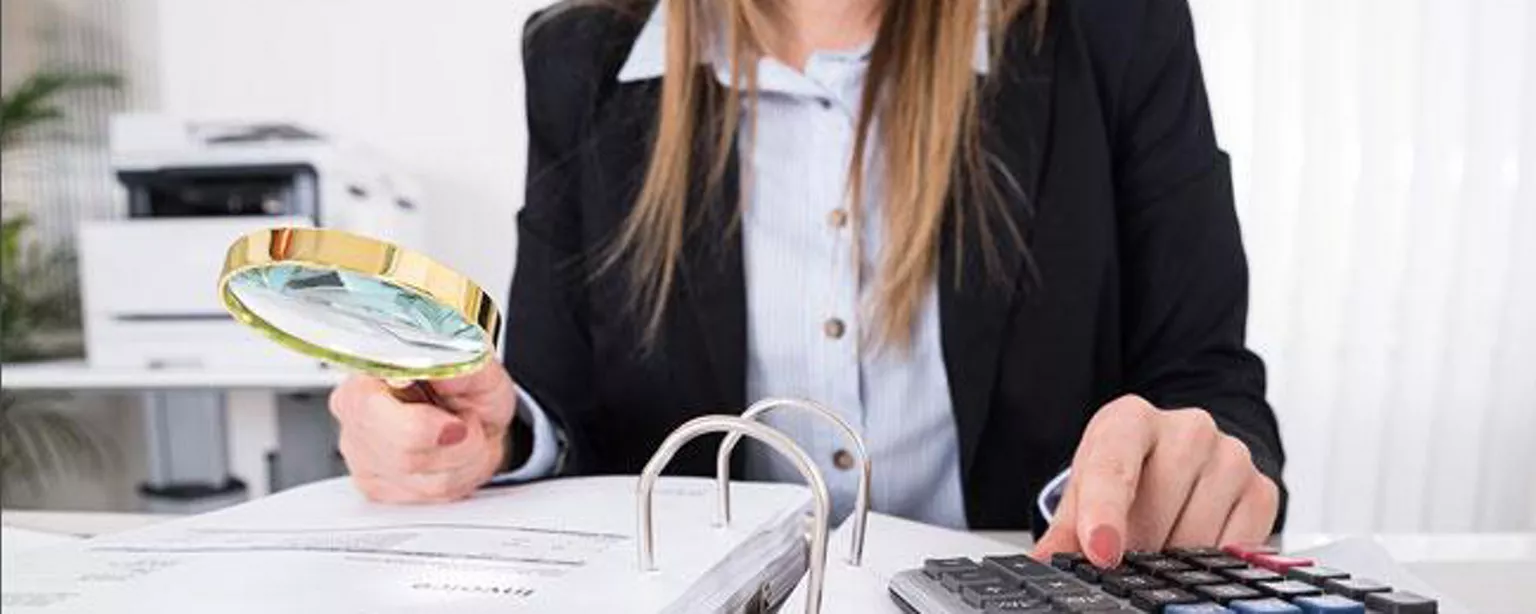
[
  {"x": 543, "y": 461},
  {"x": 1050, "y": 496}
]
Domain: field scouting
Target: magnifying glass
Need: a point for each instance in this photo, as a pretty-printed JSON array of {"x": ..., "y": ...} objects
[{"x": 362, "y": 303}]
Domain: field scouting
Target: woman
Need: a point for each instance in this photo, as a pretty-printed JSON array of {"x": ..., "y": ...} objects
[{"x": 997, "y": 237}]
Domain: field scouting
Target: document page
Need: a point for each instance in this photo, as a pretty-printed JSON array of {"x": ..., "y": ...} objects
[
  {"x": 15, "y": 540},
  {"x": 324, "y": 548}
]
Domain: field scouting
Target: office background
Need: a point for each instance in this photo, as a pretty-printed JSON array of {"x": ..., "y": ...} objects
[{"x": 1384, "y": 155}]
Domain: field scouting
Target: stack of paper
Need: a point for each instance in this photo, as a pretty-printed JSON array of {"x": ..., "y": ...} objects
[
  {"x": 562, "y": 545},
  {"x": 15, "y": 541}
]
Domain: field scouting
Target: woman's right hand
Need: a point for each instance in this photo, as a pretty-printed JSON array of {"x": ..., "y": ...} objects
[{"x": 415, "y": 452}]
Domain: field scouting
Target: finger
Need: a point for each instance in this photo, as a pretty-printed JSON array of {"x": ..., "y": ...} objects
[
  {"x": 366, "y": 403},
  {"x": 381, "y": 490},
  {"x": 1215, "y": 495},
  {"x": 440, "y": 487},
  {"x": 476, "y": 448},
  {"x": 488, "y": 394},
  {"x": 470, "y": 384},
  {"x": 1185, "y": 442},
  {"x": 388, "y": 423},
  {"x": 393, "y": 463},
  {"x": 1254, "y": 515},
  {"x": 1107, "y": 476},
  {"x": 451, "y": 482},
  {"x": 346, "y": 399},
  {"x": 1061, "y": 536}
]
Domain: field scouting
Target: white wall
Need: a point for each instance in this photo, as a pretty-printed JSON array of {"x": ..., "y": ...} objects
[
  {"x": 436, "y": 86},
  {"x": 1385, "y": 161}
]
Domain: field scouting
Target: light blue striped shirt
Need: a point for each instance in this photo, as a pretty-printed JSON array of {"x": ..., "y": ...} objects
[{"x": 809, "y": 303}]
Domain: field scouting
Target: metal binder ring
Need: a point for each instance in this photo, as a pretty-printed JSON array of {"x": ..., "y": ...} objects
[
  {"x": 861, "y": 499},
  {"x": 815, "y": 576}
]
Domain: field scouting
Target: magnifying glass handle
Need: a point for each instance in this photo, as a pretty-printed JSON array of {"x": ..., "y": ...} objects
[{"x": 416, "y": 391}]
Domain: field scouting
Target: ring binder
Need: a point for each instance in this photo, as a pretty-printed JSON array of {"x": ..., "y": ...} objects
[
  {"x": 815, "y": 576},
  {"x": 861, "y": 499}
]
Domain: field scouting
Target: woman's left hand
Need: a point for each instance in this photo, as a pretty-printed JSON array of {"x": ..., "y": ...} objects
[{"x": 1146, "y": 479}]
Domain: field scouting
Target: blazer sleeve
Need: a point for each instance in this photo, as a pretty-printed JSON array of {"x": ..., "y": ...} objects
[
  {"x": 547, "y": 344},
  {"x": 1185, "y": 278}
]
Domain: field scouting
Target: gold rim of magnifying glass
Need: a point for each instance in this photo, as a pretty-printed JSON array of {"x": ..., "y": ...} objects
[{"x": 325, "y": 248}]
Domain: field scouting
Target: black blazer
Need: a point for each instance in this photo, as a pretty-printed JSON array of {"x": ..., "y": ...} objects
[{"x": 1135, "y": 280}]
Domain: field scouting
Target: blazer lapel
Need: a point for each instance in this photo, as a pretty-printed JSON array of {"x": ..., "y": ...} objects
[
  {"x": 974, "y": 300},
  {"x": 708, "y": 303},
  {"x": 713, "y": 278}
]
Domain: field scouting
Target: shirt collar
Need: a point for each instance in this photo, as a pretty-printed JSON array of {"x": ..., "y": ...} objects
[{"x": 647, "y": 58}]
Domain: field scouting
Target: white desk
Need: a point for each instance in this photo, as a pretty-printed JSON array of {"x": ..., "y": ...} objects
[
  {"x": 77, "y": 375},
  {"x": 78, "y": 524},
  {"x": 1486, "y": 572},
  {"x": 250, "y": 399}
]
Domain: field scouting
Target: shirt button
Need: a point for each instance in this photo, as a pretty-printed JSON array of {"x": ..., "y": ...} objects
[
  {"x": 838, "y": 218},
  {"x": 826, "y": 103},
  {"x": 834, "y": 328},
  {"x": 842, "y": 460}
]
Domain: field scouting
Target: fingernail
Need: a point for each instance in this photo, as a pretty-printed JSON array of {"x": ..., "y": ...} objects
[
  {"x": 1104, "y": 546},
  {"x": 452, "y": 434}
]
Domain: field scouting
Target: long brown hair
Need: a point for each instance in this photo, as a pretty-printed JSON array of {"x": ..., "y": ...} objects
[{"x": 920, "y": 85}]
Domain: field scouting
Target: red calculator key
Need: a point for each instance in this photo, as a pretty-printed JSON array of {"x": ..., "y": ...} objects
[
  {"x": 1279, "y": 563},
  {"x": 1246, "y": 552}
]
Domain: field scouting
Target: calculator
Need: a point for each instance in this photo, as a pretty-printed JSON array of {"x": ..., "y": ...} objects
[{"x": 1234, "y": 579}]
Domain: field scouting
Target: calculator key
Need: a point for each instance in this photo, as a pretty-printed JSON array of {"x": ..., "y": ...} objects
[
  {"x": 1218, "y": 562},
  {"x": 1094, "y": 575},
  {"x": 1195, "y": 577},
  {"x": 1253, "y": 574},
  {"x": 1204, "y": 607},
  {"x": 1280, "y": 563},
  {"x": 1052, "y": 587},
  {"x": 979, "y": 595},
  {"x": 1329, "y": 604},
  {"x": 1155, "y": 600},
  {"x": 1121, "y": 586},
  {"x": 1141, "y": 555},
  {"x": 957, "y": 580},
  {"x": 1162, "y": 565},
  {"x": 1093, "y": 602},
  {"x": 1021, "y": 605},
  {"x": 1356, "y": 588},
  {"x": 1225, "y": 593},
  {"x": 1316, "y": 575},
  {"x": 1263, "y": 606},
  {"x": 1288, "y": 589},
  {"x": 1401, "y": 602},
  {"x": 934, "y": 568},
  {"x": 1066, "y": 561},
  {"x": 1018, "y": 566},
  {"x": 1246, "y": 552},
  {"x": 1190, "y": 553}
]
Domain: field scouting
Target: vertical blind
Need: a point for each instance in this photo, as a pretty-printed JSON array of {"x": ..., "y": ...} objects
[
  {"x": 61, "y": 173},
  {"x": 1385, "y": 167}
]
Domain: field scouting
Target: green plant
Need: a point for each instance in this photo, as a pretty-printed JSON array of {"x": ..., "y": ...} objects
[
  {"x": 34, "y": 101},
  {"x": 28, "y": 305},
  {"x": 36, "y": 441}
]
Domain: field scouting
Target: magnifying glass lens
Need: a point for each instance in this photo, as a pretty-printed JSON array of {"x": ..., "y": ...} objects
[{"x": 358, "y": 315}]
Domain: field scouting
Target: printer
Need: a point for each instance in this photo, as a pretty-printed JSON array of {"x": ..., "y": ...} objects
[{"x": 148, "y": 279}]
